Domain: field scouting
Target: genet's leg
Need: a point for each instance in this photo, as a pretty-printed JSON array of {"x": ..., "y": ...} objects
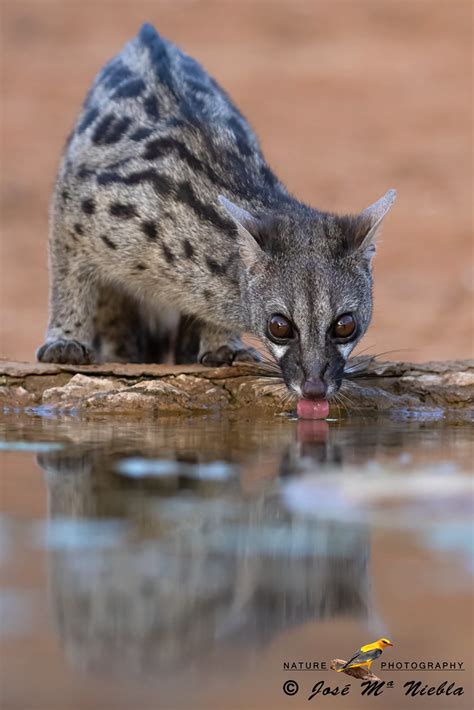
[{"x": 222, "y": 347}]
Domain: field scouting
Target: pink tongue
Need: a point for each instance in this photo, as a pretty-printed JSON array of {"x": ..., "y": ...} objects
[{"x": 313, "y": 408}]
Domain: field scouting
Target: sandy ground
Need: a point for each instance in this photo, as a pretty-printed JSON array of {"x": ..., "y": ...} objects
[{"x": 349, "y": 99}]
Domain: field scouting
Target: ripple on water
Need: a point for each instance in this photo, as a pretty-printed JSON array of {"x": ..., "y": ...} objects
[{"x": 163, "y": 468}]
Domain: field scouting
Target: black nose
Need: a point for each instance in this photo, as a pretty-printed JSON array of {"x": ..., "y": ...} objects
[{"x": 314, "y": 388}]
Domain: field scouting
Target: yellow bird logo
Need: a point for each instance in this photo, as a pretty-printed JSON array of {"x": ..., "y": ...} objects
[{"x": 366, "y": 655}]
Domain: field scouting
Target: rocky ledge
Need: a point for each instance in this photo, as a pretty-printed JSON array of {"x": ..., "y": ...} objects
[{"x": 433, "y": 389}]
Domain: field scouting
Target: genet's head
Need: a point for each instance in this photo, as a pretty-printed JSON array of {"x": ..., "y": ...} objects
[{"x": 308, "y": 287}]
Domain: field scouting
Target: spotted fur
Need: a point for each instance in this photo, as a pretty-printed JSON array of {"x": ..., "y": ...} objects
[{"x": 140, "y": 230}]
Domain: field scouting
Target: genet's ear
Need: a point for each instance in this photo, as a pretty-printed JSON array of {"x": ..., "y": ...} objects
[
  {"x": 371, "y": 219},
  {"x": 246, "y": 224}
]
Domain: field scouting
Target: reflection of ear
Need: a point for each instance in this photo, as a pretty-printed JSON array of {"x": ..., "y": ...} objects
[
  {"x": 250, "y": 251},
  {"x": 372, "y": 218}
]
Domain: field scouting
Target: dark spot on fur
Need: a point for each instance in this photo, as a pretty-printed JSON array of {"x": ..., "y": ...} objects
[
  {"x": 79, "y": 229},
  {"x": 102, "y": 127},
  {"x": 109, "y": 177},
  {"x": 188, "y": 248},
  {"x": 108, "y": 242},
  {"x": 151, "y": 107},
  {"x": 88, "y": 206},
  {"x": 154, "y": 149},
  {"x": 186, "y": 195},
  {"x": 215, "y": 267},
  {"x": 122, "y": 210},
  {"x": 84, "y": 172},
  {"x": 88, "y": 118},
  {"x": 149, "y": 228},
  {"x": 161, "y": 183},
  {"x": 167, "y": 253},
  {"x": 67, "y": 331},
  {"x": 140, "y": 267},
  {"x": 110, "y": 129},
  {"x": 129, "y": 89},
  {"x": 78, "y": 324},
  {"x": 207, "y": 294},
  {"x": 115, "y": 73},
  {"x": 117, "y": 130},
  {"x": 160, "y": 147},
  {"x": 141, "y": 134},
  {"x": 65, "y": 195}
]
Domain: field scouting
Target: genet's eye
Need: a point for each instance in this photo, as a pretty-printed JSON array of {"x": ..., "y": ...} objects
[
  {"x": 280, "y": 328},
  {"x": 344, "y": 327}
]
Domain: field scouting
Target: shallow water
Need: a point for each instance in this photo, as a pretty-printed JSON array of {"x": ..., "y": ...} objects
[{"x": 180, "y": 563}]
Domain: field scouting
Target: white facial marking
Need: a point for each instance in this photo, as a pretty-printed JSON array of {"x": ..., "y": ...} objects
[
  {"x": 279, "y": 350},
  {"x": 345, "y": 350},
  {"x": 296, "y": 388}
]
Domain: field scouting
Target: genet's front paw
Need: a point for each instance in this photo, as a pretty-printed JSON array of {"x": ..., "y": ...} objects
[
  {"x": 226, "y": 355},
  {"x": 247, "y": 355},
  {"x": 70, "y": 352}
]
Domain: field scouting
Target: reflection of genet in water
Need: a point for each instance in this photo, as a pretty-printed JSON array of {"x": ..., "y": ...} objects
[
  {"x": 150, "y": 572},
  {"x": 193, "y": 565}
]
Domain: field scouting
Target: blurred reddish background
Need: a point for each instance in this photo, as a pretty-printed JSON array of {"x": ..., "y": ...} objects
[{"x": 348, "y": 98}]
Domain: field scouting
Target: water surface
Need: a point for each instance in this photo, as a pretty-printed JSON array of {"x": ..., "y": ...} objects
[{"x": 182, "y": 562}]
